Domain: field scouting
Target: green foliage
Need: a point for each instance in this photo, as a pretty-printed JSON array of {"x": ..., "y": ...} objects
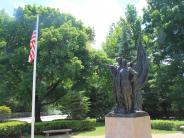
[
  {"x": 164, "y": 35},
  {"x": 61, "y": 51},
  {"x": 75, "y": 105},
  {"x": 17, "y": 128},
  {"x": 13, "y": 128},
  {"x": 99, "y": 85},
  {"x": 110, "y": 46},
  {"x": 75, "y": 125},
  {"x": 164, "y": 23},
  {"x": 99, "y": 131},
  {"x": 5, "y": 112},
  {"x": 66, "y": 64},
  {"x": 162, "y": 125},
  {"x": 166, "y": 124},
  {"x": 124, "y": 36}
]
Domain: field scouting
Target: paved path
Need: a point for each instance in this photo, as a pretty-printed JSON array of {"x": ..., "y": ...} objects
[
  {"x": 43, "y": 118},
  {"x": 176, "y": 135}
]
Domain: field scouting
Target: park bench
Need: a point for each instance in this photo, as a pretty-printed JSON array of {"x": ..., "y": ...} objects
[
  {"x": 47, "y": 132},
  {"x": 182, "y": 127}
]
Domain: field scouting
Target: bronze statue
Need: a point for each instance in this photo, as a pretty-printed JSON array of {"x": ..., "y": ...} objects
[{"x": 128, "y": 79}]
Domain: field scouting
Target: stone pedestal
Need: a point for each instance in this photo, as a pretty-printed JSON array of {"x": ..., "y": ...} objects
[{"x": 128, "y": 127}]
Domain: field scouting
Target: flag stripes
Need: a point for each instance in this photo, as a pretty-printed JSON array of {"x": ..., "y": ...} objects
[{"x": 32, "y": 47}]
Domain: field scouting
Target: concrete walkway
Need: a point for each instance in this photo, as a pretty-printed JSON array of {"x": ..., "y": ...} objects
[
  {"x": 176, "y": 135},
  {"x": 43, "y": 118}
]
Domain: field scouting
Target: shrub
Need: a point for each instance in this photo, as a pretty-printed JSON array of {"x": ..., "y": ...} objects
[
  {"x": 178, "y": 124},
  {"x": 75, "y": 125},
  {"x": 162, "y": 124},
  {"x": 5, "y": 112},
  {"x": 9, "y": 129},
  {"x": 75, "y": 105},
  {"x": 12, "y": 128},
  {"x": 166, "y": 124}
]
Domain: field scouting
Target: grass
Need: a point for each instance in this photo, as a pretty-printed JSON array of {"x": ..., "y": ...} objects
[{"x": 100, "y": 130}]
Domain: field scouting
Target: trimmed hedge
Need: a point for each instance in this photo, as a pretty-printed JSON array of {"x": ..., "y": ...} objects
[
  {"x": 75, "y": 125},
  {"x": 166, "y": 124},
  {"x": 9, "y": 129},
  {"x": 5, "y": 112},
  {"x": 12, "y": 128}
]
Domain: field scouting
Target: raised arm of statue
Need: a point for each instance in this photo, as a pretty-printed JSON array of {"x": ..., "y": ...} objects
[{"x": 112, "y": 68}]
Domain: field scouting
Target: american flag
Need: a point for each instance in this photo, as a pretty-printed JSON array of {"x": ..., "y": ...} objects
[{"x": 32, "y": 47}]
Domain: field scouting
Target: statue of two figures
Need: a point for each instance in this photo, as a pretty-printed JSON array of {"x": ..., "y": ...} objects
[{"x": 128, "y": 79}]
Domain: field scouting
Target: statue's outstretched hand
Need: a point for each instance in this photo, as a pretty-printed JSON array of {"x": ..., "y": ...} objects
[{"x": 111, "y": 67}]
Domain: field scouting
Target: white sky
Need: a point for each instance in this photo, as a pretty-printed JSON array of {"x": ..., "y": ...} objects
[{"x": 99, "y": 14}]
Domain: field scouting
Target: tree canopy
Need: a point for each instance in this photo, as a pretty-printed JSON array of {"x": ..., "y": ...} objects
[
  {"x": 61, "y": 45},
  {"x": 69, "y": 67},
  {"x": 161, "y": 32},
  {"x": 163, "y": 22}
]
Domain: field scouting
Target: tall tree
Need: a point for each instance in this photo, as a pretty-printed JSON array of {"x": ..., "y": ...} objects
[
  {"x": 62, "y": 43},
  {"x": 124, "y": 36},
  {"x": 163, "y": 21},
  {"x": 98, "y": 85},
  {"x": 122, "y": 40}
]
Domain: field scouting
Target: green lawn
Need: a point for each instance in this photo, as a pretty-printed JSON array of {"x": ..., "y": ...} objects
[{"x": 100, "y": 130}]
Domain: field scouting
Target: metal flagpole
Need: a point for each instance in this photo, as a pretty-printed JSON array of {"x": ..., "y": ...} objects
[{"x": 34, "y": 82}]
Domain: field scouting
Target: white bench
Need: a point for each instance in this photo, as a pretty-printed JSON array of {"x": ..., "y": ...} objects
[
  {"x": 47, "y": 132},
  {"x": 182, "y": 127}
]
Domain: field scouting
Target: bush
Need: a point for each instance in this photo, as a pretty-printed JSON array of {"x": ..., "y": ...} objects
[
  {"x": 75, "y": 125},
  {"x": 162, "y": 124},
  {"x": 75, "y": 105},
  {"x": 5, "y": 112},
  {"x": 166, "y": 124},
  {"x": 9, "y": 129}
]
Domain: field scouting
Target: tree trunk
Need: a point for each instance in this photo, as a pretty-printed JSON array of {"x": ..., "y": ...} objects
[{"x": 37, "y": 109}]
